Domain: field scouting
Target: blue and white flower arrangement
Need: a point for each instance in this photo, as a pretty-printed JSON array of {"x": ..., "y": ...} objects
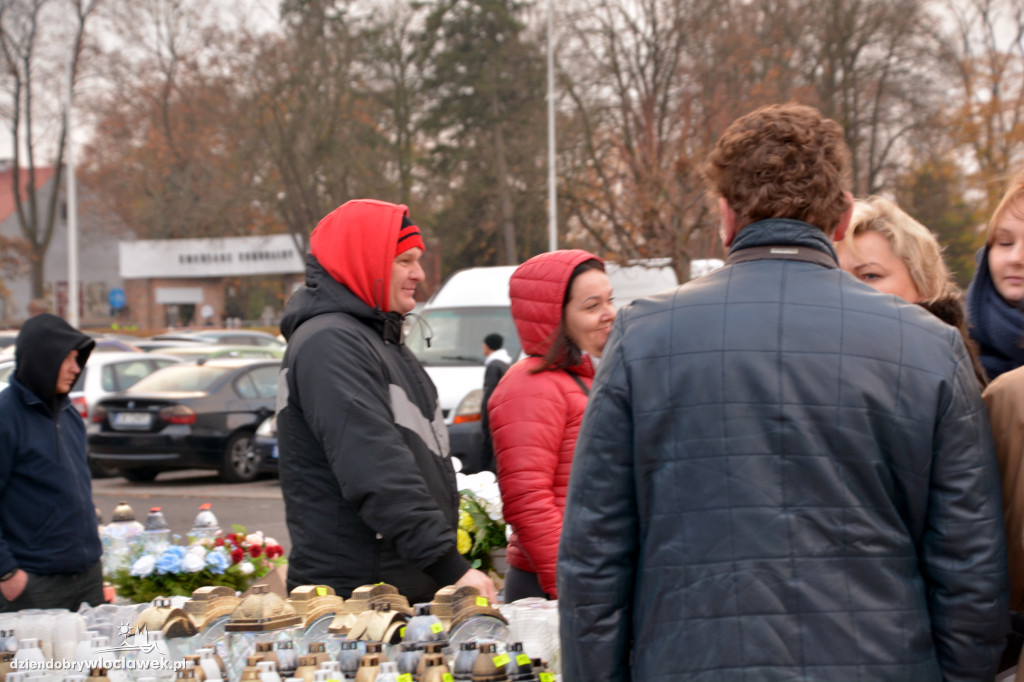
[{"x": 235, "y": 560}]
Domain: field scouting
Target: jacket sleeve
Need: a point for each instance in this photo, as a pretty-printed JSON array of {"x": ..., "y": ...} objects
[
  {"x": 600, "y": 538},
  {"x": 346, "y": 400},
  {"x": 528, "y": 421},
  {"x": 8, "y": 452},
  {"x": 1004, "y": 399},
  {"x": 963, "y": 549}
]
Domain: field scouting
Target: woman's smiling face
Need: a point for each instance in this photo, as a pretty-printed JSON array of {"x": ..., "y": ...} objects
[{"x": 589, "y": 312}]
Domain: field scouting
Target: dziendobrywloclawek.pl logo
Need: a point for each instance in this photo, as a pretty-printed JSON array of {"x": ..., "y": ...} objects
[{"x": 128, "y": 655}]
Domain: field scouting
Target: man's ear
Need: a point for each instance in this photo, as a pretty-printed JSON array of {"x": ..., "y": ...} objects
[
  {"x": 727, "y": 228},
  {"x": 844, "y": 220}
]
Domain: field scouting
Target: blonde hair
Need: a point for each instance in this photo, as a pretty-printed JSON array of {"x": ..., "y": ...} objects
[
  {"x": 912, "y": 242},
  {"x": 1009, "y": 202}
]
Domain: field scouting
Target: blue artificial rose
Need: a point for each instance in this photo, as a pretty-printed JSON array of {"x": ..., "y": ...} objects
[
  {"x": 218, "y": 561},
  {"x": 170, "y": 560}
]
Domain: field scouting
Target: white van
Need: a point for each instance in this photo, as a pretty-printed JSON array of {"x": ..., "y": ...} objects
[{"x": 447, "y": 333}]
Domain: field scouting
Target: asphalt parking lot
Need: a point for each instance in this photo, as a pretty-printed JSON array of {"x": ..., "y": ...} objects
[{"x": 257, "y": 505}]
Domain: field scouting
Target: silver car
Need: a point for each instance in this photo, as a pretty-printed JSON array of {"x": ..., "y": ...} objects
[{"x": 108, "y": 373}]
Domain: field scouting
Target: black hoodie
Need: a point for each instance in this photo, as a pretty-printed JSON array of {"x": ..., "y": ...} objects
[{"x": 47, "y": 517}]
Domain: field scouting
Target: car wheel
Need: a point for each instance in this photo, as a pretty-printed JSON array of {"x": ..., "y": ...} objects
[
  {"x": 140, "y": 474},
  {"x": 240, "y": 463}
]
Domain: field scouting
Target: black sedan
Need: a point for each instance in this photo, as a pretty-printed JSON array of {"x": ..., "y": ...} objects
[
  {"x": 187, "y": 417},
  {"x": 264, "y": 446}
]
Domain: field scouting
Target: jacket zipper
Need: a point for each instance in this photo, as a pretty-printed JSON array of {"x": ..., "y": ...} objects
[{"x": 78, "y": 480}]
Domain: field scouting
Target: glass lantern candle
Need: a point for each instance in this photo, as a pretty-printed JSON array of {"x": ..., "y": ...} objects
[{"x": 261, "y": 616}]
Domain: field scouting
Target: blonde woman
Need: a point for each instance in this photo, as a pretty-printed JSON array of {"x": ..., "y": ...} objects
[{"x": 889, "y": 250}]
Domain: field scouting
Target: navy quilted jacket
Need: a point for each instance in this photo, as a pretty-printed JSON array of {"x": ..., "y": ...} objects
[{"x": 782, "y": 474}]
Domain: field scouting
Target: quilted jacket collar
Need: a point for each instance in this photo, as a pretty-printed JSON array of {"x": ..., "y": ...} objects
[{"x": 779, "y": 231}]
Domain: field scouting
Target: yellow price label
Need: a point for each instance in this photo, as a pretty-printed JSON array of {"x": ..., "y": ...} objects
[
  {"x": 401, "y": 632},
  {"x": 547, "y": 677},
  {"x": 500, "y": 660},
  {"x": 523, "y": 659},
  {"x": 321, "y": 591},
  {"x": 405, "y": 677},
  {"x": 436, "y": 628},
  {"x": 482, "y": 601},
  {"x": 447, "y": 677}
]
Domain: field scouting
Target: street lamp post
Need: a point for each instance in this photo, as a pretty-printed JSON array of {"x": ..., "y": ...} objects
[
  {"x": 72, "y": 204},
  {"x": 552, "y": 176}
]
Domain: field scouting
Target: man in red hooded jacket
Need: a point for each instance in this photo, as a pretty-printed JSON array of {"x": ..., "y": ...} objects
[{"x": 368, "y": 484}]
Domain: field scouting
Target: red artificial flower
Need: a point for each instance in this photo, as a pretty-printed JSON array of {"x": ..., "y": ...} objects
[
  {"x": 274, "y": 551},
  {"x": 237, "y": 554},
  {"x": 233, "y": 537},
  {"x": 255, "y": 551},
  {"x": 219, "y": 542}
]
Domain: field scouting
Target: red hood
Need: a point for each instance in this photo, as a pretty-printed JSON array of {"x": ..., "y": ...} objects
[
  {"x": 537, "y": 290},
  {"x": 356, "y": 242}
]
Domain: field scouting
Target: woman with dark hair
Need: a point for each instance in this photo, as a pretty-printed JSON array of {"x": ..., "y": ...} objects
[{"x": 562, "y": 307}]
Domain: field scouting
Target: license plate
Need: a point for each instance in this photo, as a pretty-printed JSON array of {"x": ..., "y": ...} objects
[{"x": 131, "y": 420}]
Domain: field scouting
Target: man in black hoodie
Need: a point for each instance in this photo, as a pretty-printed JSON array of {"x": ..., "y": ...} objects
[{"x": 49, "y": 542}]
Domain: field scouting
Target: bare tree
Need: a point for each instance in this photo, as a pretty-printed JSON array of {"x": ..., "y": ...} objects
[
  {"x": 869, "y": 62},
  {"x": 642, "y": 118},
  {"x": 984, "y": 55},
  {"x": 34, "y": 75},
  {"x": 167, "y": 153},
  {"x": 313, "y": 121}
]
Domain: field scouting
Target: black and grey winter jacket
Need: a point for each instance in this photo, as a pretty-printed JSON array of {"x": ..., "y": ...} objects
[{"x": 368, "y": 483}]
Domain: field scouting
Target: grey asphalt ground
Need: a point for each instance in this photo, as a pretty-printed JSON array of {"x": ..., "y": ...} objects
[{"x": 257, "y": 505}]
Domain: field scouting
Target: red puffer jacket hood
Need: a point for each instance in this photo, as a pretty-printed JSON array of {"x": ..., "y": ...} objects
[
  {"x": 537, "y": 290},
  {"x": 356, "y": 243}
]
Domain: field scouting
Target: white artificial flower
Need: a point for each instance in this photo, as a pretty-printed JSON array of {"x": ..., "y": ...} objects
[
  {"x": 193, "y": 563},
  {"x": 198, "y": 550},
  {"x": 493, "y": 509},
  {"x": 245, "y": 568},
  {"x": 144, "y": 566},
  {"x": 254, "y": 539},
  {"x": 270, "y": 541}
]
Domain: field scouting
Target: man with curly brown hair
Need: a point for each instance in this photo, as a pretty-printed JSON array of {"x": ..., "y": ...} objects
[{"x": 782, "y": 472}]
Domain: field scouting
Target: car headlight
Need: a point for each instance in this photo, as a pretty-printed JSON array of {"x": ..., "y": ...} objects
[
  {"x": 469, "y": 407},
  {"x": 268, "y": 429}
]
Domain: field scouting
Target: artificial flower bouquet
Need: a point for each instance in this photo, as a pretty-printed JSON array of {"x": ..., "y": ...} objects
[
  {"x": 235, "y": 560},
  {"x": 482, "y": 530}
]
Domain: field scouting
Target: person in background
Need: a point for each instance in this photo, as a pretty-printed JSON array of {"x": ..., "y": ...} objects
[
  {"x": 562, "y": 308},
  {"x": 496, "y": 363},
  {"x": 49, "y": 538},
  {"x": 1004, "y": 398},
  {"x": 996, "y": 292},
  {"x": 367, "y": 478},
  {"x": 782, "y": 473},
  {"x": 889, "y": 250}
]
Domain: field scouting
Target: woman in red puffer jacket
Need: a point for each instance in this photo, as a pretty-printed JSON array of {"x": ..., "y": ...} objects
[{"x": 562, "y": 307}]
